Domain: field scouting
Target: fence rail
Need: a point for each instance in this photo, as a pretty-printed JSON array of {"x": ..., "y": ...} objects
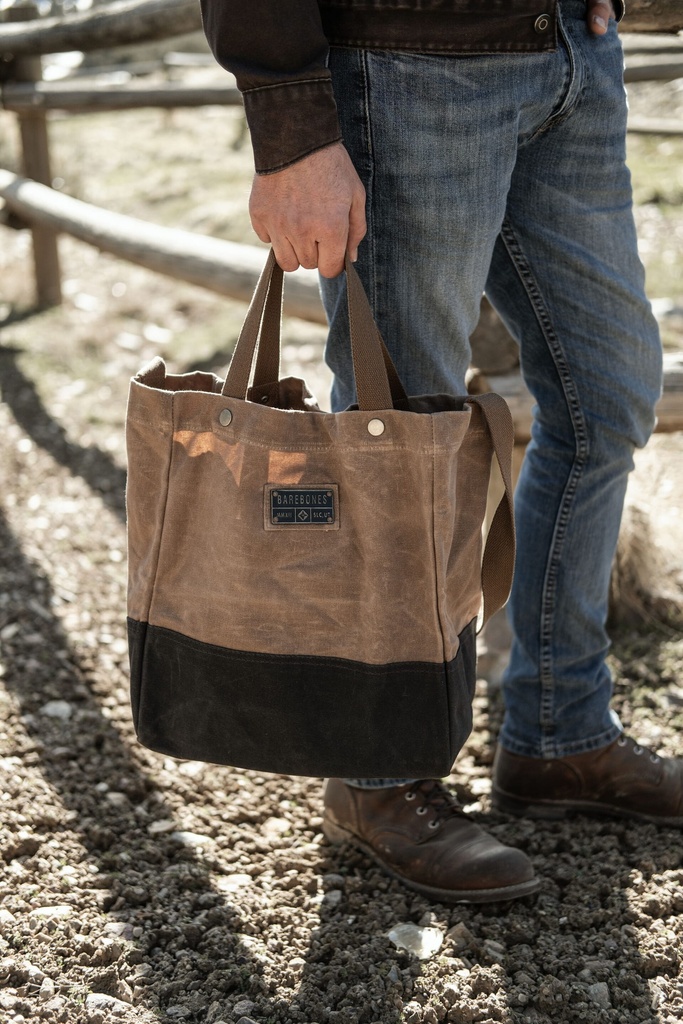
[
  {"x": 118, "y": 24},
  {"x": 223, "y": 267},
  {"x": 78, "y": 98}
]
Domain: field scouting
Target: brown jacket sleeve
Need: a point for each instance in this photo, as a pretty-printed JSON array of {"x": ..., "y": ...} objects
[{"x": 276, "y": 49}]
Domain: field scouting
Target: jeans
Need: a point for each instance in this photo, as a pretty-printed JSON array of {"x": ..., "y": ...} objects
[{"x": 506, "y": 173}]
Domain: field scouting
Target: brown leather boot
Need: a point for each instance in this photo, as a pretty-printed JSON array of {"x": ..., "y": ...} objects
[
  {"x": 623, "y": 780},
  {"x": 419, "y": 834}
]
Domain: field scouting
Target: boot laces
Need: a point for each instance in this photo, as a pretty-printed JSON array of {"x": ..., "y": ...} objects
[
  {"x": 435, "y": 798},
  {"x": 625, "y": 741}
]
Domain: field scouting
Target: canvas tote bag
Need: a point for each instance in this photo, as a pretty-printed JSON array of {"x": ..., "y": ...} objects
[{"x": 304, "y": 586}]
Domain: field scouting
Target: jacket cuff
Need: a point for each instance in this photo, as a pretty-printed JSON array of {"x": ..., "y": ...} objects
[{"x": 290, "y": 120}]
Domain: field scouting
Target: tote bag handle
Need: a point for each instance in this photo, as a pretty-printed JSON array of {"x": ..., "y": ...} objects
[{"x": 378, "y": 385}]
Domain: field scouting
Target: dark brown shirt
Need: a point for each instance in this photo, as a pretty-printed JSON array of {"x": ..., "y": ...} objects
[{"x": 277, "y": 51}]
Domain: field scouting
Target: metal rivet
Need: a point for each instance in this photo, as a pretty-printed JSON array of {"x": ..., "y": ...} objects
[
  {"x": 225, "y": 418},
  {"x": 542, "y": 23},
  {"x": 376, "y": 427}
]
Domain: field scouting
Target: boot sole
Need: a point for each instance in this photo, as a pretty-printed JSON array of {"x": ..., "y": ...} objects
[
  {"x": 558, "y": 810},
  {"x": 337, "y": 835}
]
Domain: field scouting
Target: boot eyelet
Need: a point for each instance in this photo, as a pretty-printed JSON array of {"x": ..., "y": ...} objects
[
  {"x": 654, "y": 758},
  {"x": 433, "y": 824},
  {"x": 638, "y": 750},
  {"x": 622, "y": 741},
  {"x": 410, "y": 796},
  {"x": 421, "y": 810}
]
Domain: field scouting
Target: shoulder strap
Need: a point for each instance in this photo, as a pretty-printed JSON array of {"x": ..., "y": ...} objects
[{"x": 498, "y": 563}]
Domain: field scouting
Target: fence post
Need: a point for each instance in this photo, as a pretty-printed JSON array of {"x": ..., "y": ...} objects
[{"x": 36, "y": 164}]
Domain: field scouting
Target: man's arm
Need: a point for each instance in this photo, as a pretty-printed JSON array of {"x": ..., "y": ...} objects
[
  {"x": 307, "y": 199},
  {"x": 312, "y": 212},
  {"x": 277, "y": 50}
]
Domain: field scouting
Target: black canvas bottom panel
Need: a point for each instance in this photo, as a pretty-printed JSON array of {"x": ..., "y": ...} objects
[{"x": 299, "y": 715}]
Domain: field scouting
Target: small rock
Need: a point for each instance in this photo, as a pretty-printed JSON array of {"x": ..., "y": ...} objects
[
  {"x": 597, "y": 965},
  {"x": 451, "y": 993},
  {"x": 60, "y": 709},
  {"x": 8, "y": 966},
  {"x": 142, "y": 971},
  {"x": 116, "y": 799},
  {"x": 246, "y": 1020},
  {"x": 460, "y": 936},
  {"x": 244, "y": 1007},
  {"x": 7, "y": 919},
  {"x": 599, "y": 993},
  {"x": 50, "y": 913},
  {"x": 108, "y": 951},
  {"x": 496, "y": 950},
  {"x": 332, "y": 881},
  {"x": 231, "y": 883},
  {"x": 54, "y": 1005},
  {"x": 393, "y": 976},
  {"x": 333, "y": 898},
  {"x": 178, "y": 1012},
  {"x": 191, "y": 768},
  {"x": 120, "y": 928},
  {"x": 34, "y": 975},
  {"x": 157, "y": 828},
  {"x": 47, "y": 989},
  {"x": 422, "y": 942},
  {"x": 412, "y": 1012},
  {"x": 136, "y": 895},
  {"x": 97, "y": 1004},
  {"x": 190, "y": 838},
  {"x": 21, "y": 845},
  {"x": 274, "y": 827},
  {"x": 428, "y": 919}
]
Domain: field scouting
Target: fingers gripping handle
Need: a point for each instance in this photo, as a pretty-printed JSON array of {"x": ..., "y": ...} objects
[{"x": 377, "y": 383}]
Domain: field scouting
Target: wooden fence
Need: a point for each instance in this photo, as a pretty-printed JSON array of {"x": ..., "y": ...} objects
[
  {"x": 221, "y": 266},
  {"x": 24, "y": 37}
]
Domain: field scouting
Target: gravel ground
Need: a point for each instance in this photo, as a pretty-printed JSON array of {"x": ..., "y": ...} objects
[{"x": 136, "y": 888}]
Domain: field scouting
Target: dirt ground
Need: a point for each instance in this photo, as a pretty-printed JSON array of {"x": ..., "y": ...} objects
[{"x": 136, "y": 888}]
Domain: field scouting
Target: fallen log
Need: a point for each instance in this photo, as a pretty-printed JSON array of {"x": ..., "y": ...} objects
[{"x": 223, "y": 267}]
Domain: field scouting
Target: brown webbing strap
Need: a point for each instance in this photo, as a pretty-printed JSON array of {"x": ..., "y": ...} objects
[
  {"x": 237, "y": 380},
  {"x": 498, "y": 563},
  {"x": 267, "y": 367},
  {"x": 377, "y": 383},
  {"x": 369, "y": 361}
]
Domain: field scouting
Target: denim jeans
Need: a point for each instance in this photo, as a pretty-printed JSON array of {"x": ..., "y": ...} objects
[{"x": 506, "y": 173}]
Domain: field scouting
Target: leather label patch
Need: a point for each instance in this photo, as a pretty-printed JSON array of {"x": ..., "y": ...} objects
[{"x": 302, "y": 506}]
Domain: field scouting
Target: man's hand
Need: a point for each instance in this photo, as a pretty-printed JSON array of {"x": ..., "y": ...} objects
[
  {"x": 312, "y": 212},
  {"x": 598, "y": 13}
]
